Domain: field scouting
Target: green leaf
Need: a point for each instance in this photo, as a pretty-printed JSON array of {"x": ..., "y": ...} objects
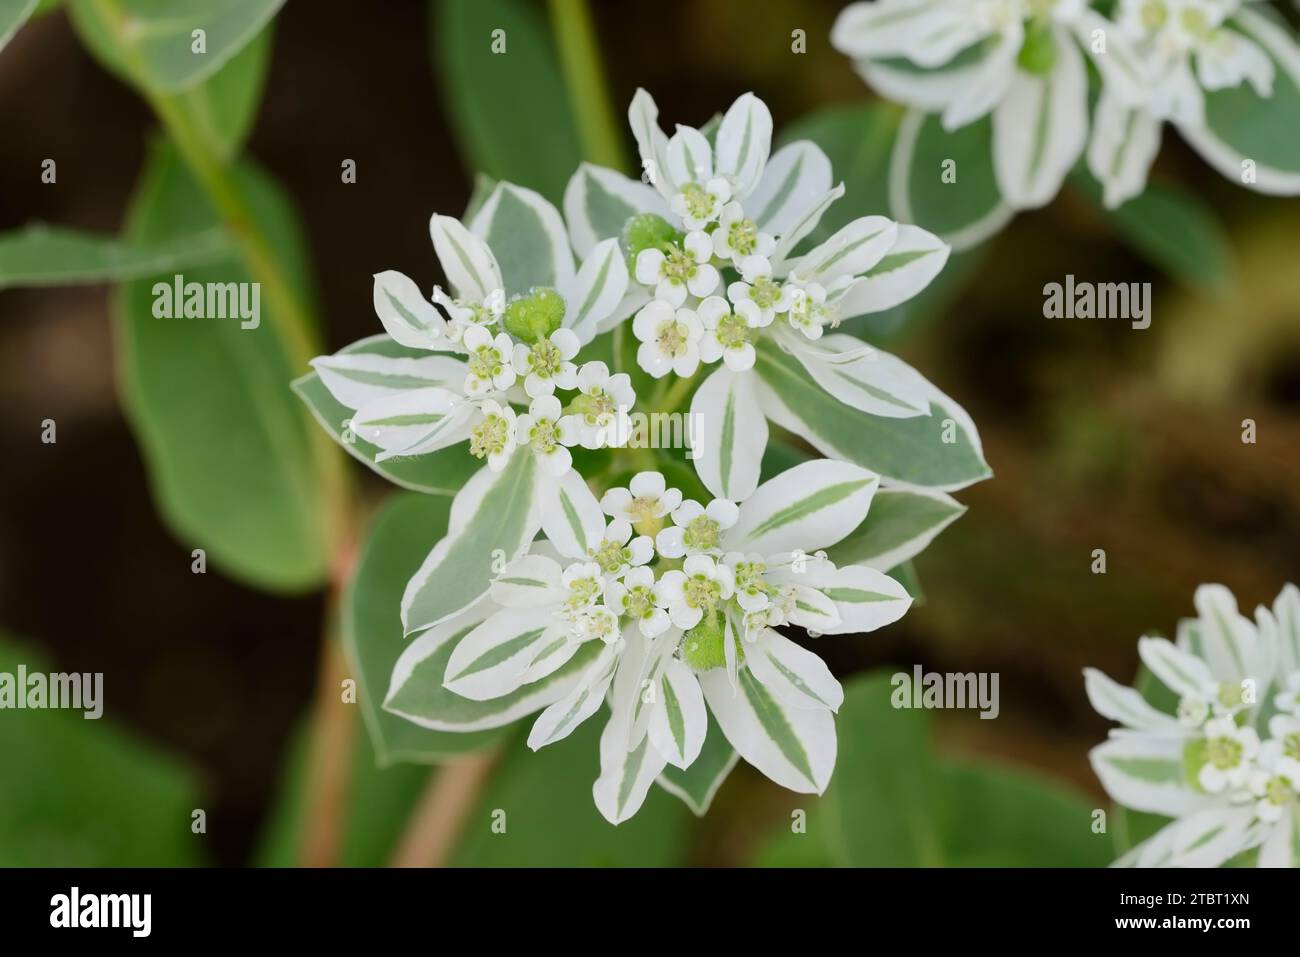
[
  {"x": 499, "y": 520},
  {"x": 911, "y": 451},
  {"x": 901, "y": 524},
  {"x": 41, "y": 255},
  {"x": 13, "y": 14},
  {"x": 1172, "y": 227},
  {"x": 220, "y": 100},
  {"x": 883, "y": 805},
  {"x": 856, "y": 139},
  {"x": 527, "y": 237},
  {"x": 227, "y": 447},
  {"x": 152, "y": 42},
  {"x": 84, "y": 793},
  {"x": 698, "y": 784},
  {"x": 224, "y": 107},
  {"x": 963, "y": 213},
  {"x": 893, "y": 803},
  {"x": 372, "y": 627},
  {"x": 1001, "y": 817},
  {"x": 543, "y": 799},
  {"x": 1241, "y": 125},
  {"x": 444, "y": 472},
  {"x": 418, "y": 693},
  {"x": 505, "y": 105}
]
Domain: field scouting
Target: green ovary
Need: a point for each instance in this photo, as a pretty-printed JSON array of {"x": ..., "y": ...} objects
[
  {"x": 583, "y": 592},
  {"x": 535, "y": 316},
  {"x": 702, "y": 647},
  {"x": 1038, "y": 53},
  {"x": 639, "y": 602}
]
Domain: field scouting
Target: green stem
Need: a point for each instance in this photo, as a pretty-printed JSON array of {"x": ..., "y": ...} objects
[
  {"x": 585, "y": 79},
  {"x": 289, "y": 312}
]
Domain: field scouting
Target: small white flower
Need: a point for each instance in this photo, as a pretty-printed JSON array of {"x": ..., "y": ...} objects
[
  {"x": 670, "y": 339},
  {"x": 696, "y": 590},
  {"x": 1289, "y": 698},
  {"x": 738, "y": 238},
  {"x": 489, "y": 368},
  {"x": 697, "y": 530},
  {"x": 758, "y": 290},
  {"x": 700, "y": 205},
  {"x": 584, "y": 585},
  {"x": 603, "y": 406},
  {"x": 548, "y": 433},
  {"x": 597, "y": 623},
  {"x": 679, "y": 270},
  {"x": 463, "y": 316},
  {"x": 728, "y": 335},
  {"x": 495, "y": 436},
  {"x": 546, "y": 363},
  {"x": 639, "y": 597},
  {"x": 646, "y": 499},
  {"x": 753, "y": 593},
  {"x": 1274, "y": 782},
  {"x": 618, "y": 550},
  {"x": 1229, "y": 754},
  {"x": 808, "y": 310}
]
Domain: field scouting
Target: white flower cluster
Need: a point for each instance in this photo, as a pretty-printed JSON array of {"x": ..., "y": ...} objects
[
  {"x": 1024, "y": 62},
  {"x": 1226, "y": 765},
  {"x": 663, "y": 606},
  {"x": 694, "y": 315},
  {"x": 679, "y": 601}
]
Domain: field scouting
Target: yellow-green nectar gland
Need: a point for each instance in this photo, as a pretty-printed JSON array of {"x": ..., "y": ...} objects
[
  {"x": 1279, "y": 791},
  {"x": 639, "y": 603},
  {"x": 544, "y": 436},
  {"x": 733, "y": 332},
  {"x": 742, "y": 236},
  {"x": 1223, "y": 753},
  {"x": 764, "y": 292},
  {"x": 807, "y": 313},
  {"x": 545, "y": 360},
  {"x": 582, "y": 592},
  {"x": 678, "y": 267},
  {"x": 749, "y": 578},
  {"x": 485, "y": 363},
  {"x": 699, "y": 201},
  {"x": 610, "y": 556},
  {"x": 670, "y": 337},
  {"x": 642, "y": 512},
  {"x": 489, "y": 437},
  {"x": 1154, "y": 13},
  {"x": 702, "y": 534}
]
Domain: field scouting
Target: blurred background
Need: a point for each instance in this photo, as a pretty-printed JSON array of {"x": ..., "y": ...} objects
[{"x": 1100, "y": 436}]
